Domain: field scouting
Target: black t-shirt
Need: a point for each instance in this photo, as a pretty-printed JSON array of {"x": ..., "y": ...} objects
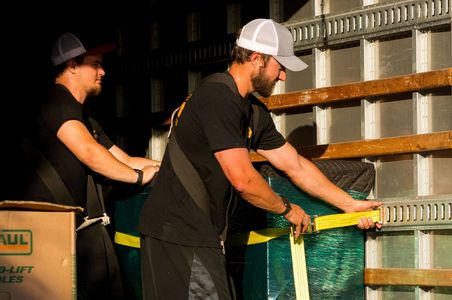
[
  {"x": 60, "y": 107},
  {"x": 216, "y": 117}
]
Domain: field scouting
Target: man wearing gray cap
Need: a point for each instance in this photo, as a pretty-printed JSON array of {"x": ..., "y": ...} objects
[
  {"x": 181, "y": 241},
  {"x": 74, "y": 149}
]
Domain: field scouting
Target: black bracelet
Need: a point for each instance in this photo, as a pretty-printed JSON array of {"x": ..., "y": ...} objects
[
  {"x": 140, "y": 176},
  {"x": 287, "y": 205}
]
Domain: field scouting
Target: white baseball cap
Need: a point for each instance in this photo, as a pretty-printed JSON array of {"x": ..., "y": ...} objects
[{"x": 268, "y": 37}]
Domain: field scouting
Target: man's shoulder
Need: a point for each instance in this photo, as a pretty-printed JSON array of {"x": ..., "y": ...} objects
[{"x": 222, "y": 78}]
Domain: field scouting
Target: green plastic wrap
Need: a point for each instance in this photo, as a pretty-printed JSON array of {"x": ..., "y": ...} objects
[
  {"x": 127, "y": 208},
  {"x": 334, "y": 257}
]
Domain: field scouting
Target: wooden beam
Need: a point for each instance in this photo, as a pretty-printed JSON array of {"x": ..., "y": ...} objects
[
  {"x": 359, "y": 90},
  {"x": 356, "y": 90},
  {"x": 377, "y": 147},
  {"x": 410, "y": 277}
]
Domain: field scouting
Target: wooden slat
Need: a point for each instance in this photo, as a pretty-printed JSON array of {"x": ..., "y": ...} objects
[
  {"x": 366, "y": 148},
  {"x": 410, "y": 277},
  {"x": 378, "y": 147},
  {"x": 358, "y": 90}
]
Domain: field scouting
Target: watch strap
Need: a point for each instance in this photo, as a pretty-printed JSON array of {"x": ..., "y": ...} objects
[
  {"x": 287, "y": 205},
  {"x": 140, "y": 176}
]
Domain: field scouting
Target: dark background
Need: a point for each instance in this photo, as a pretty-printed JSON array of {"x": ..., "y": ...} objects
[
  {"x": 29, "y": 29},
  {"x": 27, "y": 40},
  {"x": 30, "y": 33}
]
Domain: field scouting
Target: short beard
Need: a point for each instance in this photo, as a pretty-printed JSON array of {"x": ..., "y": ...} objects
[
  {"x": 262, "y": 85},
  {"x": 95, "y": 91}
]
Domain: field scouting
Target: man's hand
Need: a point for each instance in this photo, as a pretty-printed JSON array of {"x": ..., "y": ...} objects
[
  {"x": 367, "y": 223},
  {"x": 366, "y": 205},
  {"x": 149, "y": 172},
  {"x": 298, "y": 217}
]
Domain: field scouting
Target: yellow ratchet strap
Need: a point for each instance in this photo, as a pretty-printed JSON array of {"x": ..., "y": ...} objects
[
  {"x": 300, "y": 273},
  {"x": 127, "y": 240},
  {"x": 345, "y": 219},
  {"x": 317, "y": 224},
  {"x": 255, "y": 237}
]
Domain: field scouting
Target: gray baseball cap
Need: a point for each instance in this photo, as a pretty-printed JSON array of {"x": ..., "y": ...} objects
[
  {"x": 69, "y": 46},
  {"x": 271, "y": 38}
]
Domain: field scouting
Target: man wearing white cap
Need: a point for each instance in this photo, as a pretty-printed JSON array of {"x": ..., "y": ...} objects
[{"x": 182, "y": 254}]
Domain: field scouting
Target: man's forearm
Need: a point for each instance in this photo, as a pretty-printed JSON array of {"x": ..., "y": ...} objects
[{"x": 311, "y": 180}]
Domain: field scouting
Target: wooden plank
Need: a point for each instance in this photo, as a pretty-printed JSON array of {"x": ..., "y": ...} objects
[
  {"x": 359, "y": 90},
  {"x": 410, "y": 277},
  {"x": 345, "y": 92},
  {"x": 377, "y": 147}
]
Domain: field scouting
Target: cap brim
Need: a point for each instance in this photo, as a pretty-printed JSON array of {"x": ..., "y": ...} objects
[
  {"x": 292, "y": 63},
  {"x": 104, "y": 49}
]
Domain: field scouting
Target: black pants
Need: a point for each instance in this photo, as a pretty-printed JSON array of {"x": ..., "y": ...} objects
[
  {"x": 171, "y": 271},
  {"x": 98, "y": 274}
]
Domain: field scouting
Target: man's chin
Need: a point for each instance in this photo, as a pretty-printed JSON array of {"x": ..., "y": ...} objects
[
  {"x": 96, "y": 91},
  {"x": 265, "y": 93}
]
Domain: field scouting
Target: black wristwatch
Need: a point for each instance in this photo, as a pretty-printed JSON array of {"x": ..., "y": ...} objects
[
  {"x": 140, "y": 176},
  {"x": 287, "y": 205}
]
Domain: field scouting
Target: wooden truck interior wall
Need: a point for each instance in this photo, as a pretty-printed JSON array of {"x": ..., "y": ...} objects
[{"x": 430, "y": 146}]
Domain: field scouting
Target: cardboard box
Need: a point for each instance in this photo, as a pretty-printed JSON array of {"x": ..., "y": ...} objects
[{"x": 37, "y": 251}]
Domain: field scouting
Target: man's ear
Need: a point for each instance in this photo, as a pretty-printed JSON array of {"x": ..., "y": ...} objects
[
  {"x": 71, "y": 64},
  {"x": 256, "y": 59}
]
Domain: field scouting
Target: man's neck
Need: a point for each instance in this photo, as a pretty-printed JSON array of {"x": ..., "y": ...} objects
[
  {"x": 78, "y": 94},
  {"x": 242, "y": 77}
]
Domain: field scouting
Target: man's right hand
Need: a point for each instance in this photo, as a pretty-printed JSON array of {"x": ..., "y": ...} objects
[
  {"x": 298, "y": 217},
  {"x": 149, "y": 172}
]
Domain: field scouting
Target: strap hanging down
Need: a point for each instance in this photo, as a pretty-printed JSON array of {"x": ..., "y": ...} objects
[
  {"x": 300, "y": 273},
  {"x": 94, "y": 205}
]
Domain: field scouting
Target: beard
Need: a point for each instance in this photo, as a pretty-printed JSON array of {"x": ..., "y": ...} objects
[
  {"x": 95, "y": 90},
  {"x": 262, "y": 84}
]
